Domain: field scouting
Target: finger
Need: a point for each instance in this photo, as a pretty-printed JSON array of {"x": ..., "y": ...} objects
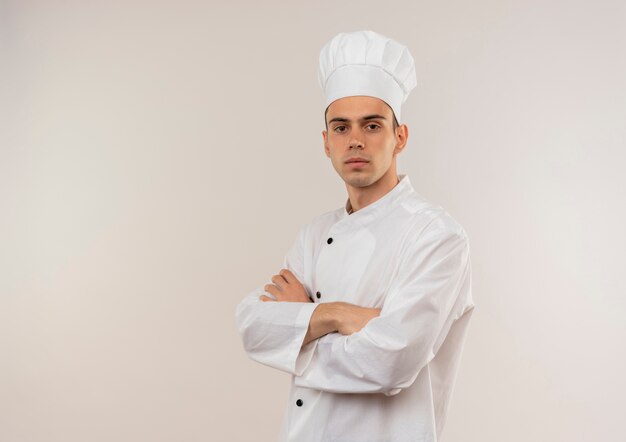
[
  {"x": 266, "y": 299},
  {"x": 279, "y": 281},
  {"x": 287, "y": 275},
  {"x": 272, "y": 289}
]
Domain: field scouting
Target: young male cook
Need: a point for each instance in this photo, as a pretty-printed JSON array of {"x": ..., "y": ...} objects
[{"x": 371, "y": 308}]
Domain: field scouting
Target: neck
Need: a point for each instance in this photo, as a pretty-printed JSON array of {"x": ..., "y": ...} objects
[{"x": 363, "y": 196}]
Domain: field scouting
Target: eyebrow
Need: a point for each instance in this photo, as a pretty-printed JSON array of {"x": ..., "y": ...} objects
[{"x": 369, "y": 117}]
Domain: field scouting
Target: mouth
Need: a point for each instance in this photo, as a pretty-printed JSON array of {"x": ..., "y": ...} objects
[
  {"x": 357, "y": 161},
  {"x": 356, "y": 164}
]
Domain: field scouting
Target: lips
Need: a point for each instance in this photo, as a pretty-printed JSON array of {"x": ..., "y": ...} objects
[
  {"x": 356, "y": 160},
  {"x": 356, "y": 163}
]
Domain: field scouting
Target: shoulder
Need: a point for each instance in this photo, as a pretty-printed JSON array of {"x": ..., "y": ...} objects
[{"x": 429, "y": 223}]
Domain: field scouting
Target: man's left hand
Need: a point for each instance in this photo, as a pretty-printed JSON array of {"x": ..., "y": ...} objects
[{"x": 285, "y": 288}]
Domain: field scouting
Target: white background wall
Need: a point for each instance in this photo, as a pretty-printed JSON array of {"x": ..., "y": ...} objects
[{"x": 157, "y": 159}]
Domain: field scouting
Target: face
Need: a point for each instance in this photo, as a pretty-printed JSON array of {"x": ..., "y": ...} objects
[{"x": 361, "y": 128}]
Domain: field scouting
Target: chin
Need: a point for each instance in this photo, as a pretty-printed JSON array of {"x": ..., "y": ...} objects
[{"x": 359, "y": 180}]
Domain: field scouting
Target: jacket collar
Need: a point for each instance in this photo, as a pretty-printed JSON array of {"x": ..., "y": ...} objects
[{"x": 382, "y": 206}]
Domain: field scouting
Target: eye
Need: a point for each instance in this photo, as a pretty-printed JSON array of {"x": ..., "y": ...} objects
[
  {"x": 339, "y": 129},
  {"x": 373, "y": 126}
]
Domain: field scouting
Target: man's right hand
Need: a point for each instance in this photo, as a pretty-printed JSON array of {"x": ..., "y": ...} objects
[
  {"x": 351, "y": 318},
  {"x": 341, "y": 317}
]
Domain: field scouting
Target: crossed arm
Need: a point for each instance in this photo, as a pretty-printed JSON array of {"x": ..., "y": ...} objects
[
  {"x": 344, "y": 348},
  {"x": 341, "y": 317}
]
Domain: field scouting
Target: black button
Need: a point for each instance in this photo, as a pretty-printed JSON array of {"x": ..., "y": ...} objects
[
  {"x": 319, "y": 295},
  {"x": 299, "y": 402},
  {"x": 329, "y": 240}
]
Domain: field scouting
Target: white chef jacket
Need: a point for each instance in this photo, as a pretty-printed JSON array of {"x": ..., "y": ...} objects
[{"x": 392, "y": 380}]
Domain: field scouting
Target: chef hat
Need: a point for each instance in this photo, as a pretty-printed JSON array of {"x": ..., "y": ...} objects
[{"x": 366, "y": 63}]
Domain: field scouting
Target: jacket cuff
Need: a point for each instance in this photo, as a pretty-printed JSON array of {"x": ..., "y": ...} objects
[{"x": 305, "y": 353}]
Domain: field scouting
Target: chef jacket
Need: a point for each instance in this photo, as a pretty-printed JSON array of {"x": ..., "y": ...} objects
[{"x": 392, "y": 380}]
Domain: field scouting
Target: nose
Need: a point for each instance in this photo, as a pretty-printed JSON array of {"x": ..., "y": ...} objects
[{"x": 355, "y": 142}]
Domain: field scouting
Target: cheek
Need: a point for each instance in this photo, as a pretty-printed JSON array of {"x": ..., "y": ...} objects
[{"x": 334, "y": 140}]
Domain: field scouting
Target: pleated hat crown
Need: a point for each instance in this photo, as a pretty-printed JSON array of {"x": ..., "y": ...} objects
[{"x": 367, "y": 63}]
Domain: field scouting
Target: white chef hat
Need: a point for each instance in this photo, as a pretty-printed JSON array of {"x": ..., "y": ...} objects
[{"x": 366, "y": 63}]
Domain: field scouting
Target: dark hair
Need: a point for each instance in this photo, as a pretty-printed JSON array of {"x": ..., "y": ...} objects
[{"x": 395, "y": 121}]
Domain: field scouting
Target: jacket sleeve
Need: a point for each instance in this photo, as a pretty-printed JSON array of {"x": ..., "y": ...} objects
[
  {"x": 273, "y": 332},
  {"x": 431, "y": 290}
]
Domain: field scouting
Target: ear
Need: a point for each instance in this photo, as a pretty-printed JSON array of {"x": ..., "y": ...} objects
[
  {"x": 326, "y": 148},
  {"x": 402, "y": 136}
]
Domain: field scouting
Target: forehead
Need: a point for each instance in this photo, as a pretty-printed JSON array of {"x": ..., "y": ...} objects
[{"x": 357, "y": 106}]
